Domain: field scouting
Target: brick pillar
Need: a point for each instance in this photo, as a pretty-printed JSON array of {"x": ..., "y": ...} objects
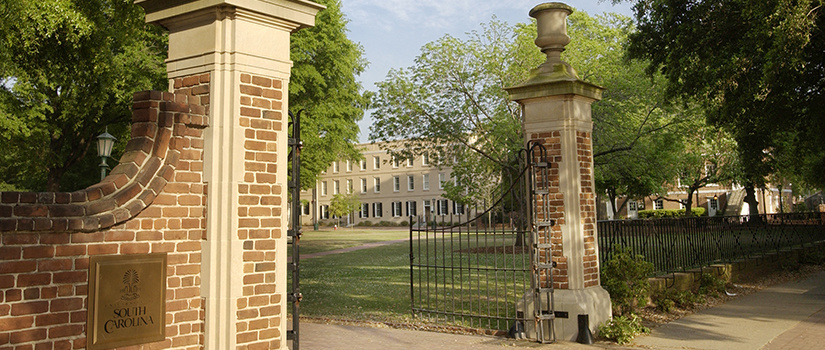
[
  {"x": 556, "y": 112},
  {"x": 234, "y": 55}
]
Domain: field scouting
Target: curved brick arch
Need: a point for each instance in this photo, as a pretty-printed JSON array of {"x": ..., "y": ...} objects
[{"x": 159, "y": 124}]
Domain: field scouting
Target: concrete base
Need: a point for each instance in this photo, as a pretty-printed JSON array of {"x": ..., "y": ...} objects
[{"x": 593, "y": 301}]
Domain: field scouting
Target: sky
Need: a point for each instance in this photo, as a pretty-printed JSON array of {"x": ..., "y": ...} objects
[{"x": 392, "y": 32}]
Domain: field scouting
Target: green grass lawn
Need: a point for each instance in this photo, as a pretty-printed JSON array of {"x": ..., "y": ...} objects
[
  {"x": 374, "y": 284},
  {"x": 328, "y": 239},
  {"x": 368, "y": 285}
]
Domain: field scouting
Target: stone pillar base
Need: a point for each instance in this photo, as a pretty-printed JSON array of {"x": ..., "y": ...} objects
[{"x": 593, "y": 301}]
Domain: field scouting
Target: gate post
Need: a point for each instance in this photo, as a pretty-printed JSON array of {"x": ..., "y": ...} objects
[
  {"x": 234, "y": 56},
  {"x": 556, "y": 111}
]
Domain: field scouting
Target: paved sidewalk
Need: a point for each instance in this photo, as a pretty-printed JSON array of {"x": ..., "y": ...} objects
[
  {"x": 785, "y": 316},
  {"x": 316, "y": 336}
]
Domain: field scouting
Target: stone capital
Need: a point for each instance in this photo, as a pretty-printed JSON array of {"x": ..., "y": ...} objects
[{"x": 164, "y": 12}]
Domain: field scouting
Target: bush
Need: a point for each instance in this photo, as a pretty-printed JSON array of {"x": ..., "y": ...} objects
[
  {"x": 622, "y": 329},
  {"x": 711, "y": 285},
  {"x": 812, "y": 257},
  {"x": 624, "y": 276},
  {"x": 669, "y": 213},
  {"x": 667, "y": 299}
]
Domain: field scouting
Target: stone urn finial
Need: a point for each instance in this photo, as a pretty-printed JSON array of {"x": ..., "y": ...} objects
[{"x": 551, "y": 21}]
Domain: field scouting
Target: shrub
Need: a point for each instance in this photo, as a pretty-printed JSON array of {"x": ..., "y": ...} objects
[
  {"x": 812, "y": 257},
  {"x": 624, "y": 276},
  {"x": 669, "y": 213},
  {"x": 667, "y": 299},
  {"x": 711, "y": 285},
  {"x": 622, "y": 329}
]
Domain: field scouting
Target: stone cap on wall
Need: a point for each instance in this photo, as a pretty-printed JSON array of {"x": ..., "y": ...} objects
[
  {"x": 159, "y": 124},
  {"x": 300, "y": 12}
]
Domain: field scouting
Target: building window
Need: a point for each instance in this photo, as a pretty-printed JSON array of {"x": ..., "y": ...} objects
[
  {"x": 425, "y": 159},
  {"x": 363, "y": 185},
  {"x": 410, "y": 182},
  {"x": 349, "y": 166},
  {"x": 323, "y": 211},
  {"x": 425, "y": 181},
  {"x": 428, "y": 208},
  {"x": 659, "y": 204},
  {"x": 394, "y": 162},
  {"x": 631, "y": 205},
  {"x": 376, "y": 162},
  {"x": 336, "y": 187},
  {"x": 442, "y": 207},
  {"x": 441, "y": 179},
  {"x": 376, "y": 184},
  {"x": 377, "y": 210},
  {"x": 349, "y": 186},
  {"x": 334, "y": 167},
  {"x": 305, "y": 209},
  {"x": 458, "y": 208},
  {"x": 365, "y": 211},
  {"x": 396, "y": 209},
  {"x": 323, "y": 188},
  {"x": 713, "y": 203},
  {"x": 411, "y": 206},
  {"x": 396, "y": 184},
  {"x": 410, "y": 162},
  {"x": 363, "y": 164}
]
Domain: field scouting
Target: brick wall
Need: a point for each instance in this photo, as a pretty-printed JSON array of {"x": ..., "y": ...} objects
[
  {"x": 152, "y": 202},
  {"x": 259, "y": 210},
  {"x": 554, "y": 208},
  {"x": 587, "y": 207}
]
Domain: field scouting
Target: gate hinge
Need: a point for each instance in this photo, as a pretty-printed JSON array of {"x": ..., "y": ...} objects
[
  {"x": 295, "y": 297},
  {"x": 292, "y": 233},
  {"x": 293, "y": 142}
]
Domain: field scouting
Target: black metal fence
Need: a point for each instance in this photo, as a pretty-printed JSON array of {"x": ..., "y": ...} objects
[
  {"x": 680, "y": 244},
  {"x": 469, "y": 275}
]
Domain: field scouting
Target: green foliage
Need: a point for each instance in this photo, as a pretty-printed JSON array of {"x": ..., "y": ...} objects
[
  {"x": 624, "y": 276},
  {"x": 451, "y": 104},
  {"x": 711, "y": 285},
  {"x": 323, "y": 84},
  {"x": 69, "y": 69},
  {"x": 343, "y": 204},
  {"x": 622, "y": 329},
  {"x": 758, "y": 73},
  {"x": 668, "y": 299},
  {"x": 669, "y": 213}
]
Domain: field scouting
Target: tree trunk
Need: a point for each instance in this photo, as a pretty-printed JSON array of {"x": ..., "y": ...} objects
[
  {"x": 753, "y": 203},
  {"x": 781, "y": 208},
  {"x": 53, "y": 180},
  {"x": 689, "y": 202}
]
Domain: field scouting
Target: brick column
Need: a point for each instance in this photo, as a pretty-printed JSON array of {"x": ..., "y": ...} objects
[
  {"x": 556, "y": 111},
  {"x": 234, "y": 55}
]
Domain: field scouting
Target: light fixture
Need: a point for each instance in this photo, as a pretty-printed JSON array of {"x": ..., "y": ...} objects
[{"x": 105, "y": 142}]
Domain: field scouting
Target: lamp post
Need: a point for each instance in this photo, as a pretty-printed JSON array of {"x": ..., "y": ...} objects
[{"x": 105, "y": 141}]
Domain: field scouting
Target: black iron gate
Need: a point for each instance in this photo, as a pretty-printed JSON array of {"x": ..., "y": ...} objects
[
  {"x": 294, "y": 231},
  {"x": 488, "y": 271}
]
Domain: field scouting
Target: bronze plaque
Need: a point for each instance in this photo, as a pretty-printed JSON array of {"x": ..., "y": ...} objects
[{"x": 127, "y": 300}]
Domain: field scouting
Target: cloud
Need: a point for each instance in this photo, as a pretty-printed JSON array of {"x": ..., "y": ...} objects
[{"x": 429, "y": 13}]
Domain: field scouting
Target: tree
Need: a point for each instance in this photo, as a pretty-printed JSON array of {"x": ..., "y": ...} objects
[
  {"x": 452, "y": 106},
  {"x": 325, "y": 66},
  {"x": 68, "y": 70},
  {"x": 758, "y": 68},
  {"x": 709, "y": 157},
  {"x": 451, "y": 102},
  {"x": 343, "y": 204}
]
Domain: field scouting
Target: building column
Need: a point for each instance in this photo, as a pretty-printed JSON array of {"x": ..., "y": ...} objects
[
  {"x": 556, "y": 112},
  {"x": 234, "y": 54}
]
